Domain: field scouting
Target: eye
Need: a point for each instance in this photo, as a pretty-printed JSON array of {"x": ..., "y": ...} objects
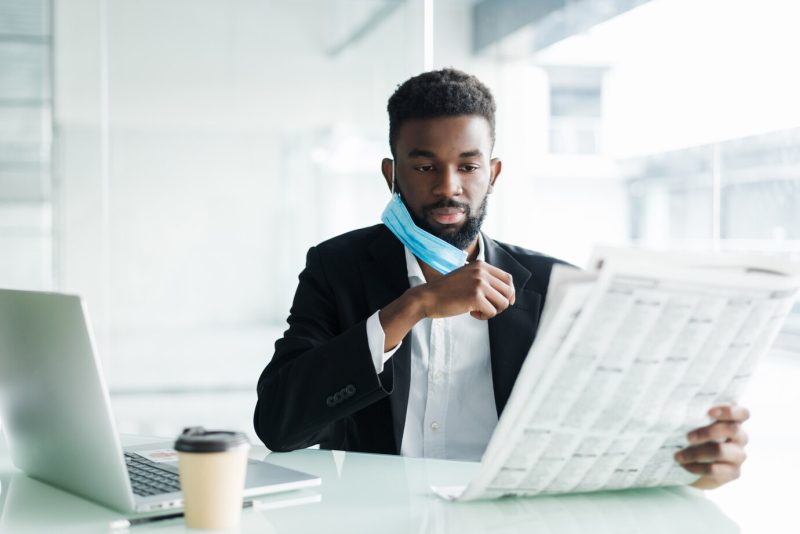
[
  {"x": 469, "y": 168},
  {"x": 424, "y": 168}
]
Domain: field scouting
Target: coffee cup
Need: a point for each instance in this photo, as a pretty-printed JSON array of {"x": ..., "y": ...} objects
[{"x": 212, "y": 466}]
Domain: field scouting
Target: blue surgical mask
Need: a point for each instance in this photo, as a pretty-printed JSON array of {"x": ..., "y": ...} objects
[{"x": 434, "y": 251}]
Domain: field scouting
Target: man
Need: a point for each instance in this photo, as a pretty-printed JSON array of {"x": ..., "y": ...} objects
[{"x": 396, "y": 344}]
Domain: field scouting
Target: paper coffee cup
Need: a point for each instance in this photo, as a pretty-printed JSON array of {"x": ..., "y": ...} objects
[{"x": 212, "y": 466}]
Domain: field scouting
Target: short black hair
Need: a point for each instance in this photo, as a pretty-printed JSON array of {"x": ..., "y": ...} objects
[{"x": 439, "y": 93}]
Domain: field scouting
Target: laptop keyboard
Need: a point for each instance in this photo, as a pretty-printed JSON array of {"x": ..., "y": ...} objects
[{"x": 149, "y": 479}]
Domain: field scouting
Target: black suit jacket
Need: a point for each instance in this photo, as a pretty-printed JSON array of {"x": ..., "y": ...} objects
[{"x": 321, "y": 385}]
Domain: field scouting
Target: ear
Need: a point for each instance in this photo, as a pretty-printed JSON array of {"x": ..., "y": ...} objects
[
  {"x": 496, "y": 166},
  {"x": 386, "y": 170}
]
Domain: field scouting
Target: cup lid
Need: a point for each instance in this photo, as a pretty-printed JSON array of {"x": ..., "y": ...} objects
[{"x": 198, "y": 439}]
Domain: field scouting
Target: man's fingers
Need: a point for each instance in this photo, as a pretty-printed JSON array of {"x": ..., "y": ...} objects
[
  {"x": 501, "y": 289},
  {"x": 712, "y": 452},
  {"x": 719, "y": 431},
  {"x": 721, "y": 472},
  {"x": 717, "y": 452},
  {"x": 741, "y": 438},
  {"x": 737, "y": 414},
  {"x": 501, "y": 281},
  {"x": 484, "y": 309},
  {"x": 497, "y": 300}
]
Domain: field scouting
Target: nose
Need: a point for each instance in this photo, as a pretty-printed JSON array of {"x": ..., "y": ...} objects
[{"x": 448, "y": 184}]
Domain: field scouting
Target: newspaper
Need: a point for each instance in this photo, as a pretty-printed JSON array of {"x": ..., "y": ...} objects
[{"x": 628, "y": 358}]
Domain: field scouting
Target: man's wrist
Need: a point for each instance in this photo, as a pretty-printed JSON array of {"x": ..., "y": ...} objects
[
  {"x": 399, "y": 317},
  {"x": 416, "y": 303}
]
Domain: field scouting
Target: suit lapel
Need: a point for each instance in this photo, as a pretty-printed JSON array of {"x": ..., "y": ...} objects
[
  {"x": 385, "y": 279},
  {"x": 511, "y": 333}
]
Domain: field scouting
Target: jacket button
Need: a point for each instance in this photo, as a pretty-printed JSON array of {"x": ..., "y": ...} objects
[
  {"x": 338, "y": 397},
  {"x": 331, "y": 402},
  {"x": 350, "y": 390}
]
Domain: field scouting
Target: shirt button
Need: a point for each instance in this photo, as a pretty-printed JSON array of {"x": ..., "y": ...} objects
[
  {"x": 438, "y": 376},
  {"x": 434, "y": 426}
]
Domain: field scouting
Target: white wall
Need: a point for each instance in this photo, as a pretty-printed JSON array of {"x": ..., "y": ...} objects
[{"x": 196, "y": 145}]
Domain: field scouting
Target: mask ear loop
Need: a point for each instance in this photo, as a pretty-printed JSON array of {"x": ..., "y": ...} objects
[{"x": 394, "y": 174}]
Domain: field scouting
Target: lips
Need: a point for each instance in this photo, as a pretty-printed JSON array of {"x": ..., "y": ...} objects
[{"x": 447, "y": 215}]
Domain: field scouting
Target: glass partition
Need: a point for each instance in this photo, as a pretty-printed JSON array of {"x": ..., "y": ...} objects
[{"x": 201, "y": 147}]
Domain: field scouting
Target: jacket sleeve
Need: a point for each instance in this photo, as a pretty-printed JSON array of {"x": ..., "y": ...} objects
[{"x": 320, "y": 372}]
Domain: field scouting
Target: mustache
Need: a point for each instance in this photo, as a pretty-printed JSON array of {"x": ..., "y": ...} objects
[{"x": 448, "y": 203}]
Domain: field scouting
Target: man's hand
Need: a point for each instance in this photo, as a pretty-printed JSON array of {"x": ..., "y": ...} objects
[
  {"x": 716, "y": 451},
  {"x": 480, "y": 289}
]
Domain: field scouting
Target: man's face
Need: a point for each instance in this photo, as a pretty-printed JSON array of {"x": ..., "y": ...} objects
[{"x": 444, "y": 174}]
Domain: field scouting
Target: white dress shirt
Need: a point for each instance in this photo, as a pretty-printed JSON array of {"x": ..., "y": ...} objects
[{"x": 451, "y": 410}]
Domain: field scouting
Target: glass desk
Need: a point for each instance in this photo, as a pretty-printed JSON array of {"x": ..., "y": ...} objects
[{"x": 386, "y": 494}]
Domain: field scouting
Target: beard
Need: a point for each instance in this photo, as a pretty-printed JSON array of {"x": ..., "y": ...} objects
[{"x": 461, "y": 237}]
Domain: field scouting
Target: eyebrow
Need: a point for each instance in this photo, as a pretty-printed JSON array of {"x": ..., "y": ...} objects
[{"x": 421, "y": 153}]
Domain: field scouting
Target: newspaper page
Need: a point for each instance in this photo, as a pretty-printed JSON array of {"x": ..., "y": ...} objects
[{"x": 627, "y": 360}]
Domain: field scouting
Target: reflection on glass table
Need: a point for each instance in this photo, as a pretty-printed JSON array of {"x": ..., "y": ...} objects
[
  {"x": 362, "y": 492},
  {"x": 379, "y": 493}
]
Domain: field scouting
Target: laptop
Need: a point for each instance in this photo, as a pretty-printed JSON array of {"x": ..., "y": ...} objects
[{"x": 57, "y": 418}]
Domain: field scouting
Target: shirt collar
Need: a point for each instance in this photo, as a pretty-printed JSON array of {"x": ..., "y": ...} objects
[{"x": 415, "y": 271}]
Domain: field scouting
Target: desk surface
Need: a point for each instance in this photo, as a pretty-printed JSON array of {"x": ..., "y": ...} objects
[{"x": 388, "y": 494}]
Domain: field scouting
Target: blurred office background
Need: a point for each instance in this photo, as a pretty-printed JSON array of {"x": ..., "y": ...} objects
[{"x": 172, "y": 160}]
